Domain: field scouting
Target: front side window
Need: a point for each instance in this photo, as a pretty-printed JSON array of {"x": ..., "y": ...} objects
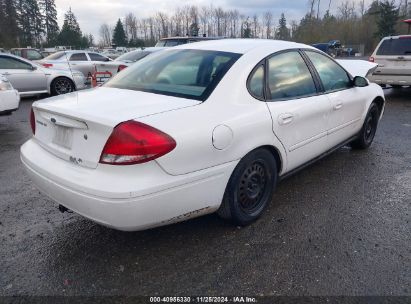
[
  {"x": 332, "y": 76},
  {"x": 78, "y": 57},
  {"x": 184, "y": 73},
  {"x": 256, "y": 82},
  {"x": 289, "y": 77},
  {"x": 7, "y": 63}
]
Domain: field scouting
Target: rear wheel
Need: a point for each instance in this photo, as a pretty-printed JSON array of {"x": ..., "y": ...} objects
[
  {"x": 62, "y": 85},
  {"x": 250, "y": 188},
  {"x": 367, "y": 133}
]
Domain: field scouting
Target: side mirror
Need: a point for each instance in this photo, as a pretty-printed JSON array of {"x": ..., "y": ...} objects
[
  {"x": 33, "y": 68},
  {"x": 360, "y": 81}
]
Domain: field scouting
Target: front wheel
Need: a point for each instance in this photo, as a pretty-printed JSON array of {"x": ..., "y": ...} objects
[
  {"x": 62, "y": 85},
  {"x": 250, "y": 188},
  {"x": 367, "y": 133}
]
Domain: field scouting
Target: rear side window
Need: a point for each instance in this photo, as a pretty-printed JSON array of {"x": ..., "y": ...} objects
[
  {"x": 395, "y": 47},
  {"x": 289, "y": 77},
  {"x": 78, "y": 57},
  {"x": 256, "y": 83},
  {"x": 332, "y": 76}
]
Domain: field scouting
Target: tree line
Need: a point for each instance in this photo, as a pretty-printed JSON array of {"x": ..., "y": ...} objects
[
  {"x": 351, "y": 22},
  {"x": 34, "y": 23}
]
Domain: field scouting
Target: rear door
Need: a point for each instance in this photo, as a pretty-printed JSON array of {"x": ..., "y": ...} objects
[
  {"x": 103, "y": 64},
  {"x": 347, "y": 102},
  {"x": 299, "y": 113},
  {"x": 22, "y": 75},
  {"x": 394, "y": 56},
  {"x": 80, "y": 62}
]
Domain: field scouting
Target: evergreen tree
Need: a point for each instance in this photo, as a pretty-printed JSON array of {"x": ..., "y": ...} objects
[
  {"x": 49, "y": 11},
  {"x": 9, "y": 30},
  {"x": 388, "y": 17},
  {"x": 246, "y": 29},
  {"x": 30, "y": 21},
  {"x": 119, "y": 35},
  {"x": 282, "y": 33},
  {"x": 70, "y": 34},
  {"x": 194, "y": 29}
]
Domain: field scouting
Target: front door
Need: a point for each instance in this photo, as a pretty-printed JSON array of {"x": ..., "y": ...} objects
[
  {"x": 23, "y": 76},
  {"x": 299, "y": 113},
  {"x": 347, "y": 102}
]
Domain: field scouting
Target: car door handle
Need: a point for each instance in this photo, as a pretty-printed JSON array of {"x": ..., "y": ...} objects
[
  {"x": 6, "y": 74},
  {"x": 338, "y": 106},
  {"x": 285, "y": 119}
]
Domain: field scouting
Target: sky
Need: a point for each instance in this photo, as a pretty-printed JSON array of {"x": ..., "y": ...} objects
[{"x": 92, "y": 13}]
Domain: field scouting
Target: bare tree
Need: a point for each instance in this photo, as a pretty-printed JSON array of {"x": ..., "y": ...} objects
[
  {"x": 268, "y": 23},
  {"x": 105, "y": 34}
]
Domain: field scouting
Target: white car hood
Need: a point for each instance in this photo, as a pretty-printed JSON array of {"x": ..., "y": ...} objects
[
  {"x": 111, "y": 106},
  {"x": 358, "y": 67}
]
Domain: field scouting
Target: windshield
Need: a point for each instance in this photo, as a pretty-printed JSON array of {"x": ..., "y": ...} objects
[
  {"x": 401, "y": 46},
  {"x": 55, "y": 56},
  {"x": 190, "y": 74},
  {"x": 133, "y": 56}
]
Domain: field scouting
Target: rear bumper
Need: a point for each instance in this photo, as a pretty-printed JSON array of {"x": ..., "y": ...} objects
[
  {"x": 390, "y": 79},
  {"x": 9, "y": 101},
  {"x": 126, "y": 198}
]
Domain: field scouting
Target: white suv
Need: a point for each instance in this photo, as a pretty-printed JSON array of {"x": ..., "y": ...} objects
[{"x": 393, "y": 55}]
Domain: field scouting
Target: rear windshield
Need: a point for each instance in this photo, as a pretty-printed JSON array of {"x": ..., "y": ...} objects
[
  {"x": 55, "y": 56},
  {"x": 190, "y": 74},
  {"x": 133, "y": 56},
  {"x": 401, "y": 46},
  {"x": 171, "y": 42}
]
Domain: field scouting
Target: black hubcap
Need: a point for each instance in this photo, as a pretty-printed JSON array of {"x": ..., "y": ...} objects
[
  {"x": 253, "y": 184},
  {"x": 63, "y": 86}
]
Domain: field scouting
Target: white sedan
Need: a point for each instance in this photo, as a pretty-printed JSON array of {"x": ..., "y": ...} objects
[
  {"x": 9, "y": 97},
  {"x": 200, "y": 128}
]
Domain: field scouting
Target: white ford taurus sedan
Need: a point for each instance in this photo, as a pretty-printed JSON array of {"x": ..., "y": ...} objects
[{"x": 204, "y": 127}]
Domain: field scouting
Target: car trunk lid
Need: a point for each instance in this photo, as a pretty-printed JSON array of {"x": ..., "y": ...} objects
[{"x": 75, "y": 127}]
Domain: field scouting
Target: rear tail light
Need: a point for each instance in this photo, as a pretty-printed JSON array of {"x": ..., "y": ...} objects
[
  {"x": 132, "y": 142},
  {"x": 121, "y": 67},
  {"x": 371, "y": 59},
  {"x": 32, "y": 121},
  {"x": 47, "y": 65}
]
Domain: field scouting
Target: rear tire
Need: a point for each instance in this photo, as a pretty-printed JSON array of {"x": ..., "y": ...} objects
[
  {"x": 250, "y": 188},
  {"x": 367, "y": 133},
  {"x": 62, "y": 85}
]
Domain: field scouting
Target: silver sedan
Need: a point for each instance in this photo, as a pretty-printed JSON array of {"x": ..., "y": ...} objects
[
  {"x": 29, "y": 78},
  {"x": 86, "y": 62}
]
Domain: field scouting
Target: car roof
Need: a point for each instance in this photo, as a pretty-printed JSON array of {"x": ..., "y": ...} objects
[
  {"x": 190, "y": 37},
  {"x": 397, "y": 37},
  {"x": 243, "y": 46}
]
